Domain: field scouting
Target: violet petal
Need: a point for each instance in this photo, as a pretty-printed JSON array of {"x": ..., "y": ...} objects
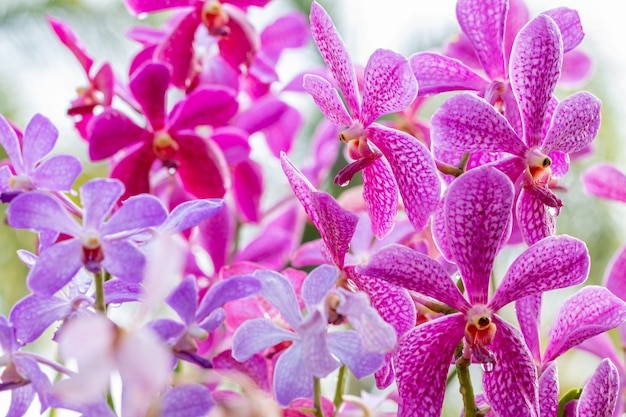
[
  {"x": 327, "y": 99},
  {"x": 256, "y": 335},
  {"x": 49, "y": 275}
]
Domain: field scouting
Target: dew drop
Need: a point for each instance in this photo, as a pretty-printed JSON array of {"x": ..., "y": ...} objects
[
  {"x": 487, "y": 366},
  {"x": 171, "y": 170}
]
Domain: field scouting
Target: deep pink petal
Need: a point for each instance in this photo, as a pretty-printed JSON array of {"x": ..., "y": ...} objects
[
  {"x": 234, "y": 144},
  {"x": 511, "y": 387},
  {"x": 281, "y": 134},
  {"x": 534, "y": 218},
  {"x": 39, "y": 138},
  {"x": 177, "y": 48},
  {"x": 389, "y": 85},
  {"x": 575, "y": 124},
  {"x": 138, "y": 212},
  {"x": 606, "y": 181},
  {"x": 327, "y": 99},
  {"x": 587, "y": 313},
  {"x": 535, "y": 68},
  {"x": 112, "y": 131},
  {"x": 98, "y": 197},
  {"x": 255, "y": 367},
  {"x": 549, "y": 391},
  {"x": 288, "y": 31},
  {"x": 468, "y": 123},
  {"x": 478, "y": 211},
  {"x": 381, "y": 197},
  {"x": 528, "y": 312},
  {"x": 422, "y": 362},
  {"x": 57, "y": 173},
  {"x": 552, "y": 263},
  {"x": 406, "y": 268},
  {"x": 569, "y": 25},
  {"x": 265, "y": 112},
  {"x": 40, "y": 211},
  {"x": 123, "y": 260},
  {"x": 336, "y": 56},
  {"x": 436, "y": 73},
  {"x": 68, "y": 38},
  {"x": 149, "y": 85},
  {"x": 49, "y": 275},
  {"x": 248, "y": 188},
  {"x": 600, "y": 393},
  {"x": 414, "y": 171},
  {"x": 148, "y": 6},
  {"x": 202, "y": 167},
  {"x": 243, "y": 42},
  {"x": 134, "y": 171},
  {"x": 483, "y": 24},
  {"x": 209, "y": 105}
]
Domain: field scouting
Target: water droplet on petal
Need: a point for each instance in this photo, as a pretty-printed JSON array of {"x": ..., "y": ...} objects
[
  {"x": 171, "y": 170},
  {"x": 487, "y": 366}
]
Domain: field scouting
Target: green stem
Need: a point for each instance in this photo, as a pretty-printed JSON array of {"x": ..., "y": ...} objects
[
  {"x": 341, "y": 386},
  {"x": 465, "y": 381},
  {"x": 99, "y": 282},
  {"x": 317, "y": 397}
]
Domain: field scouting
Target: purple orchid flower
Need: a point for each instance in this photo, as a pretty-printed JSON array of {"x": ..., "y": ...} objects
[
  {"x": 169, "y": 138},
  {"x": 97, "y": 243},
  {"x": 21, "y": 373},
  {"x": 467, "y": 123},
  {"x": 313, "y": 351},
  {"x": 200, "y": 319},
  {"x": 28, "y": 171},
  {"x": 187, "y": 400},
  {"x": 389, "y": 86},
  {"x": 477, "y": 210}
]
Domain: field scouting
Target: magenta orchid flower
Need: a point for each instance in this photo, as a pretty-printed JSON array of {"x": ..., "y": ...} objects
[
  {"x": 97, "y": 243},
  {"x": 389, "y": 86},
  {"x": 477, "y": 211},
  {"x": 168, "y": 138},
  {"x": 28, "y": 170},
  {"x": 467, "y": 123}
]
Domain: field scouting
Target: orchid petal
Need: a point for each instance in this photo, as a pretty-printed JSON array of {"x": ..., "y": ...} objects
[
  {"x": 40, "y": 211},
  {"x": 436, "y": 73},
  {"x": 137, "y": 213},
  {"x": 176, "y": 49},
  {"x": 190, "y": 214},
  {"x": 39, "y": 138},
  {"x": 209, "y": 105},
  {"x": 279, "y": 291},
  {"x": 117, "y": 291},
  {"x": 184, "y": 299},
  {"x": 112, "y": 131},
  {"x": 534, "y": 218},
  {"x": 68, "y": 38},
  {"x": 569, "y": 25},
  {"x": 11, "y": 144},
  {"x": 552, "y": 263},
  {"x": 381, "y": 197},
  {"x": 149, "y": 86},
  {"x": 247, "y": 187},
  {"x": 33, "y": 314},
  {"x": 123, "y": 260},
  {"x": 292, "y": 379},
  {"x": 256, "y": 335},
  {"x": 549, "y": 391},
  {"x": 255, "y": 367},
  {"x": 57, "y": 173},
  {"x": 327, "y": 99},
  {"x": 49, "y": 275},
  {"x": 134, "y": 171},
  {"x": 600, "y": 393},
  {"x": 220, "y": 293},
  {"x": 348, "y": 348},
  {"x": 528, "y": 312},
  {"x": 98, "y": 197},
  {"x": 318, "y": 283},
  {"x": 315, "y": 349},
  {"x": 149, "y": 6},
  {"x": 187, "y": 400},
  {"x": 605, "y": 181},
  {"x": 202, "y": 167}
]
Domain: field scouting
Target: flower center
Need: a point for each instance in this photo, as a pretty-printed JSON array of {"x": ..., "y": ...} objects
[
  {"x": 480, "y": 329},
  {"x": 332, "y": 303},
  {"x": 215, "y": 18},
  {"x": 92, "y": 251},
  {"x": 165, "y": 148},
  {"x": 21, "y": 182},
  {"x": 538, "y": 170}
]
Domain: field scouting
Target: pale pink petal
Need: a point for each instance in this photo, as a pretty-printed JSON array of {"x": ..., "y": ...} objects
[
  {"x": 606, "y": 181},
  {"x": 511, "y": 386},
  {"x": 422, "y": 361},
  {"x": 600, "y": 393},
  {"x": 327, "y": 99},
  {"x": 478, "y": 211},
  {"x": 534, "y": 218},
  {"x": 483, "y": 24},
  {"x": 436, "y": 73},
  {"x": 381, "y": 197},
  {"x": 336, "y": 56},
  {"x": 535, "y": 68},
  {"x": 552, "y": 263}
]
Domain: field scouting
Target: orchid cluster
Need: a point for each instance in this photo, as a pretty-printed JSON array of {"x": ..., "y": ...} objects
[{"x": 177, "y": 286}]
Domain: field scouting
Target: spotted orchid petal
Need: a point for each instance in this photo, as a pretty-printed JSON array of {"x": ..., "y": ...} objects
[
  {"x": 381, "y": 197},
  {"x": 477, "y": 211},
  {"x": 549, "y": 391},
  {"x": 600, "y": 393},
  {"x": 483, "y": 24},
  {"x": 511, "y": 386},
  {"x": 334, "y": 53},
  {"x": 575, "y": 123},
  {"x": 389, "y": 85},
  {"x": 436, "y": 73},
  {"x": 587, "y": 313},
  {"x": 528, "y": 312},
  {"x": 468, "y": 123},
  {"x": 605, "y": 181},
  {"x": 552, "y": 263},
  {"x": 535, "y": 220},
  {"x": 426, "y": 351},
  {"x": 535, "y": 68},
  {"x": 569, "y": 25},
  {"x": 406, "y": 268},
  {"x": 327, "y": 99}
]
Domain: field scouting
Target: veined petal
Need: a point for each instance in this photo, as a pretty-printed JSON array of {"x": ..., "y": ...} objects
[
  {"x": 123, "y": 260},
  {"x": 184, "y": 299},
  {"x": 11, "y": 144},
  {"x": 587, "y": 313},
  {"x": 569, "y": 25},
  {"x": 468, "y": 123},
  {"x": 528, "y": 312},
  {"x": 229, "y": 289},
  {"x": 534, "y": 218},
  {"x": 112, "y": 131},
  {"x": 292, "y": 379},
  {"x": 317, "y": 284},
  {"x": 336, "y": 56},
  {"x": 575, "y": 123},
  {"x": 348, "y": 348},
  {"x": 389, "y": 85},
  {"x": 21, "y": 399},
  {"x": 256, "y": 335},
  {"x": 29, "y": 367},
  {"x": 549, "y": 391},
  {"x": 189, "y": 214},
  {"x": 422, "y": 361},
  {"x": 98, "y": 197},
  {"x": 477, "y": 211},
  {"x": 33, "y": 314},
  {"x": 41, "y": 211},
  {"x": 39, "y": 138},
  {"x": 187, "y": 400},
  {"x": 436, "y": 73},
  {"x": 414, "y": 171},
  {"x": 605, "y": 181},
  {"x": 404, "y": 267},
  {"x": 279, "y": 291},
  {"x": 315, "y": 350},
  {"x": 483, "y": 24},
  {"x": 552, "y": 263},
  {"x": 57, "y": 173},
  {"x": 511, "y": 387},
  {"x": 327, "y": 99},
  {"x": 137, "y": 213},
  {"x": 149, "y": 85},
  {"x": 381, "y": 197},
  {"x": 600, "y": 393},
  {"x": 49, "y": 275},
  {"x": 535, "y": 68}
]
